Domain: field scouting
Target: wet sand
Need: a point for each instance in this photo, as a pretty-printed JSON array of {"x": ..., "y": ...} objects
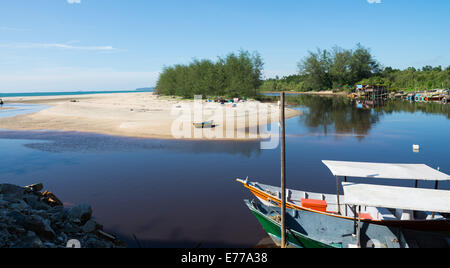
[{"x": 139, "y": 115}]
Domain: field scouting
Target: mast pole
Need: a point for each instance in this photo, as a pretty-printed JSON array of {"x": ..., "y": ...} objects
[
  {"x": 337, "y": 194},
  {"x": 283, "y": 172}
]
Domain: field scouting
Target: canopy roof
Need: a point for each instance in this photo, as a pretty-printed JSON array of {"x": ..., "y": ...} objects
[
  {"x": 385, "y": 171},
  {"x": 396, "y": 197}
]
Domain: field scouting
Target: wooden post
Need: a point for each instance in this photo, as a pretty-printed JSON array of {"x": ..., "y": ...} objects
[
  {"x": 345, "y": 180},
  {"x": 283, "y": 172},
  {"x": 435, "y": 187},
  {"x": 436, "y": 183},
  {"x": 359, "y": 227},
  {"x": 337, "y": 190}
]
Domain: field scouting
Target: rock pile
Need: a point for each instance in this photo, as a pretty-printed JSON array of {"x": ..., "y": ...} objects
[{"x": 30, "y": 218}]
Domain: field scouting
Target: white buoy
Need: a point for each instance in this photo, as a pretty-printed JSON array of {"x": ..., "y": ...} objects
[{"x": 416, "y": 148}]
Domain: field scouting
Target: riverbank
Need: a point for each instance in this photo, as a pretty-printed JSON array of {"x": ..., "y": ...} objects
[
  {"x": 30, "y": 218},
  {"x": 143, "y": 115},
  {"x": 318, "y": 93}
]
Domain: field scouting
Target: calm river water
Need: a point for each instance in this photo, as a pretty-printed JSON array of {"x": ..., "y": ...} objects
[{"x": 184, "y": 194}]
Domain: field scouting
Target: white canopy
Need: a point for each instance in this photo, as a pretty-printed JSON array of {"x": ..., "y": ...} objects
[
  {"x": 385, "y": 171},
  {"x": 397, "y": 197}
]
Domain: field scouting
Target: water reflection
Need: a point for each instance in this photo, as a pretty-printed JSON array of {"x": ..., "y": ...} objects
[
  {"x": 336, "y": 115},
  {"x": 63, "y": 142},
  {"x": 413, "y": 107},
  {"x": 344, "y": 116}
]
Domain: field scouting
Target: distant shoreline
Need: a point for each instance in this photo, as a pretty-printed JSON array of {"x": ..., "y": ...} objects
[
  {"x": 68, "y": 93},
  {"x": 321, "y": 93}
]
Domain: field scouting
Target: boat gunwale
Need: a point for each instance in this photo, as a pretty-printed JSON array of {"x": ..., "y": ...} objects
[{"x": 374, "y": 221}]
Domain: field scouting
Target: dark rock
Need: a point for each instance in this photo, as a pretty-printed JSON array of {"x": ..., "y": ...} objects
[
  {"x": 29, "y": 241},
  {"x": 3, "y": 203},
  {"x": 35, "y": 187},
  {"x": 29, "y": 219},
  {"x": 70, "y": 228},
  {"x": 35, "y": 202},
  {"x": 16, "y": 230},
  {"x": 39, "y": 226},
  {"x": 91, "y": 241},
  {"x": 11, "y": 192},
  {"x": 16, "y": 217},
  {"x": 81, "y": 213},
  {"x": 20, "y": 205},
  {"x": 90, "y": 226},
  {"x": 51, "y": 199}
]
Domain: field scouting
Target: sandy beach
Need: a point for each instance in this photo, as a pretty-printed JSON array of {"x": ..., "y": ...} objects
[{"x": 143, "y": 115}]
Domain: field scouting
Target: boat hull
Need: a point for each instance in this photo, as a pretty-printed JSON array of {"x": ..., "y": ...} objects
[
  {"x": 273, "y": 229},
  {"x": 420, "y": 225},
  {"x": 310, "y": 230}
]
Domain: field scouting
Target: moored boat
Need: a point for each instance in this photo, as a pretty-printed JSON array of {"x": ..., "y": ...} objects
[
  {"x": 332, "y": 205},
  {"x": 306, "y": 229},
  {"x": 434, "y": 98},
  {"x": 310, "y": 229}
]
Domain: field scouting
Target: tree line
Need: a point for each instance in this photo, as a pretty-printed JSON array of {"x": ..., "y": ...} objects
[
  {"x": 240, "y": 75},
  {"x": 342, "y": 69},
  {"x": 235, "y": 75}
]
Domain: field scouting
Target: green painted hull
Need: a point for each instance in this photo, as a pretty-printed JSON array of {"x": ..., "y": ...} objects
[{"x": 294, "y": 239}]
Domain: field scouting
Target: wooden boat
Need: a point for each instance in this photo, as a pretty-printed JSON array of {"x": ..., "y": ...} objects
[
  {"x": 410, "y": 96},
  {"x": 352, "y": 95},
  {"x": 315, "y": 230},
  {"x": 332, "y": 205},
  {"x": 434, "y": 98},
  {"x": 206, "y": 124},
  {"x": 305, "y": 229}
]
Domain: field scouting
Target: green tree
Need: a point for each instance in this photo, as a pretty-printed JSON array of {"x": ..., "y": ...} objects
[
  {"x": 236, "y": 75},
  {"x": 315, "y": 68}
]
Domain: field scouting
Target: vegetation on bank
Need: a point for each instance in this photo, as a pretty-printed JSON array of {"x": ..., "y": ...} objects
[
  {"x": 240, "y": 75},
  {"x": 342, "y": 69},
  {"x": 236, "y": 75}
]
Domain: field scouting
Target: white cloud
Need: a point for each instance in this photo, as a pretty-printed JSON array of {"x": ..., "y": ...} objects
[
  {"x": 58, "y": 45},
  {"x": 5, "y": 28},
  {"x": 74, "y": 1}
]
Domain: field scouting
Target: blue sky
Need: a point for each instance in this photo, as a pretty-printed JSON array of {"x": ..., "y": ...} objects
[{"x": 54, "y": 45}]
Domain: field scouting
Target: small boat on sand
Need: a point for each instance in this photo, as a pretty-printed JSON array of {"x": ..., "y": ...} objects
[{"x": 206, "y": 124}]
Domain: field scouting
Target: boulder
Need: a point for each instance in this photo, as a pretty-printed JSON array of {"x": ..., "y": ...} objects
[
  {"x": 81, "y": 213},
  {"x": 35, "y": 202},
  {"x": 35, "y": 187},
  {"x": 11, "y": 192},
  {"x": 90, "y": 226},
  {"x": 51, "y": 199},
  {"x": 31, "y": 219},
  {"x": 40, "y": 226},
  {"x": 29, "y": 241}
]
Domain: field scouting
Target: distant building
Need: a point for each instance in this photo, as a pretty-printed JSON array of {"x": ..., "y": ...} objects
[{"x": 371, "y": 91}]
